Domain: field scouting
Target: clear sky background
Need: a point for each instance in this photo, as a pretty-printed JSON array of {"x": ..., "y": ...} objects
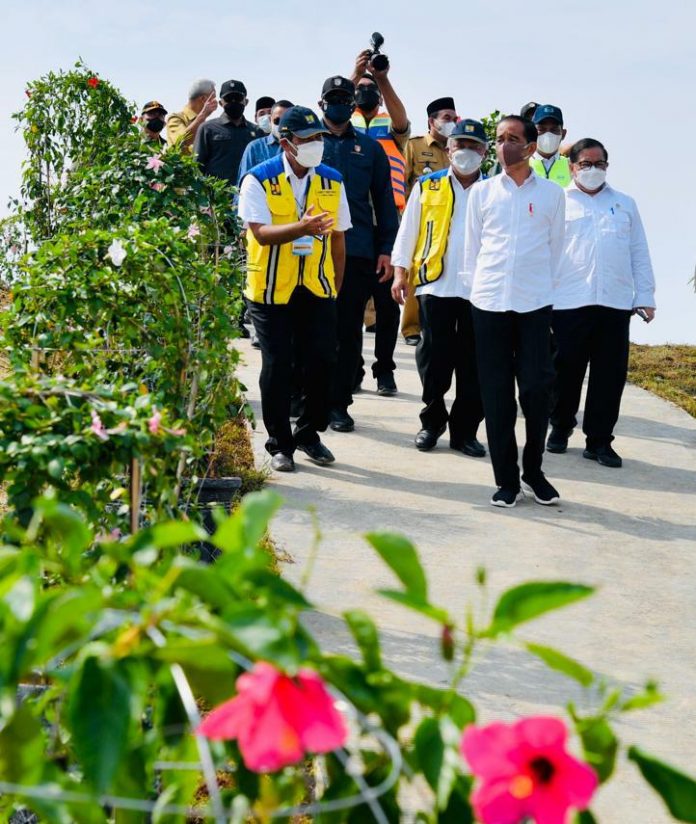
[{"x": 623, "y": 71}]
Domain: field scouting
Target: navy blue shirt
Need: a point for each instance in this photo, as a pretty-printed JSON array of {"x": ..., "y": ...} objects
[
  {"x": 220, "y": 144},
  {"x": 364, "y": 165}
]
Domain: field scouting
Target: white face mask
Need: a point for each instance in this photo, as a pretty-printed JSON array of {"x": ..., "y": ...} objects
[
  {"x": 445, "y": 129},
  {"x": 591, "y": 179},
  {"x": 264, "y": 123},
  {"x": 549, "y": 142},
  {"x": 466, "y": 161},
  {"x": 309, "y": 155}
]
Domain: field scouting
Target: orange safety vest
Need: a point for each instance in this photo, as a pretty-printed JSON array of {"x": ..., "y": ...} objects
[{"x": 380, "y": 130}]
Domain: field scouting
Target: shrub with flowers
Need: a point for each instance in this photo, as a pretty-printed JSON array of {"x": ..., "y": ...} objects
[{"x": 138, "y": 682}]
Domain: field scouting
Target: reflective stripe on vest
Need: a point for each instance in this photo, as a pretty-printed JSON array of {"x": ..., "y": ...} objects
[
  {"x": 558, "y": 173},
  {"x": 380, "y": 130},
  {"x": 273, "y": 272},
  {"x": 437, "y": 205}
]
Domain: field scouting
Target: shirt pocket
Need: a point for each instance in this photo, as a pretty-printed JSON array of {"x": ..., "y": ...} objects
[
  {"x": 616, "y": 224},
  {"x": 579, "y": 236},
  {"x": 280, "y": 208}
]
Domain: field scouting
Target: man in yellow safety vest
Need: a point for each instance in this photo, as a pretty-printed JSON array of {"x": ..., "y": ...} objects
[{"x": 547, "y": 161}]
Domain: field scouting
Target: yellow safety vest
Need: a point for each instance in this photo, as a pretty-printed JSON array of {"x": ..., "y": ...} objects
[
  {"x": 437, "y": 205},
  {"x": 558, "y": 173},
  {"x": 274, "y": 272}
]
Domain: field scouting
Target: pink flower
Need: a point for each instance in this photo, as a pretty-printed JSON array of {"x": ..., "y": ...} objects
[
  {"x": 277, "y": 719},
  {"x": 157, "y": 186},
  {"x": 179, "y": 433},
  {"x": 153, "y": 423},
  {"x": 526, "y": 772},
  {"x": 98, "y": 427},
  {"x": 193, "y": 231},
  {"x": 155, "y": 163}
]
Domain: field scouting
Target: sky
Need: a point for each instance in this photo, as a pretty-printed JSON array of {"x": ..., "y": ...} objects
[{"x": 623, "y": 71}]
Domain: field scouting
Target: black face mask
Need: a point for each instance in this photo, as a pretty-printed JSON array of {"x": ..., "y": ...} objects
[
  {"x": 338, "y": 113},
  {"x": 155, "y": 125},
  {"x": 367, "y": 99},
  {"x": 234, "y": 110}
]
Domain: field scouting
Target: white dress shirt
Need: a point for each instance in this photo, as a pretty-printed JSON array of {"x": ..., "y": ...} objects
[
  {"x": 253, "y": 206},
  {"x": 606, "y": 261},
  {"x": 547, "y": 161},
  {"x": 514, "y": 241},
  {"x": 451, "y": 283}
]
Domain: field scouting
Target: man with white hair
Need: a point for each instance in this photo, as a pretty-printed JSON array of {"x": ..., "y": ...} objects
[{"x": 182, "y": 126}]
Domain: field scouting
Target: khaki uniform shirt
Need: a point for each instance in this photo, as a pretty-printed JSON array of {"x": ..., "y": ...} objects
[
  {"x": 423, "y": 155},
  {"x": 177, "y": 123}
]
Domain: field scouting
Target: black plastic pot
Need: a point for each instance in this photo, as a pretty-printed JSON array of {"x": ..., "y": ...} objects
[{"x": 208, "y": 494}]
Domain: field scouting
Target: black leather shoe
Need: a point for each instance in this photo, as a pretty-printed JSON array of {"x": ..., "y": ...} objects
[
  {"x": 412, "y": 340},
  {"x": 386, "y": 385},
  {"x": 341, "y": 421},
  {"x": 372, "y": 328},
  {"x": 604, "y": 455},
  {"x": 426, "y": 439},
  {"x": 558, "y": 440},
  {"x": 282, "y": 463},
  {"x": 317, "y": 452},
  {"x": 471, "y": 447}
]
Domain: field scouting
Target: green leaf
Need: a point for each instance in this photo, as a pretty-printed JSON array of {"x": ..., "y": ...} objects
[
  {"x": 417, "y": 604},
  {"x": 436, "y": 743},
  {"x": 247, "y": 525},
  {"x": 650, "y": 696},
  {"x": 176, "y": 533},
  {"x": 676, "y": 789},
  {"x": 366, "y": 636},
  {"x": 562, "y": 663},
  {"x": 527, "y": 601},
  {"x": 599, "y": 743},
  {"x": 585, "y": 817},
  {"x": 22, "y": 748},
  {"x": 459, "y": 709},
  {"x": 400, "y": 555},
  {"x": 99, "y": 717}
]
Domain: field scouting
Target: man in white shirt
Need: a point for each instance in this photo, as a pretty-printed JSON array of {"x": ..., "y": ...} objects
[
  {"x": 604, "y": 277},
  {"x": 296, "y": 212},
  {"x": 427, "y": 258},
  {"x": 514, "y": 240}
]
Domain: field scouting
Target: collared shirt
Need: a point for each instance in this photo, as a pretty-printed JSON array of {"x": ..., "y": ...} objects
[
  {"x": 547, "y": 161},
  {"x": 514, "y": 241},
  {"x": 423, "y": 155},
  {"x": 219, "y": 146},
  {"x": 263, "y": 148},
  {"x": 177, "y": 123},
  {"x": 253, "y": 204},
  {"x": 364, "y": 166},
  {"x": 606, "y": 261},
  {"x": 451, "y": 283}
]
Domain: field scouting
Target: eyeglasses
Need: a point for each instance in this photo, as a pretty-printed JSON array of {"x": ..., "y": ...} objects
[{"x": 588, "y": 164}]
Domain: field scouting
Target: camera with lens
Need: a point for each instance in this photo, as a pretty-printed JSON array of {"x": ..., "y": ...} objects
[{"x": 378, "y": 61}]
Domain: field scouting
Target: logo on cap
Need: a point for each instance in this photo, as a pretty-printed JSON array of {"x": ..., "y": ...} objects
[
  {"x": 310, "y": 118},
  {"x": 468, "y": 128},
  {"x": 337, "y": 81}
]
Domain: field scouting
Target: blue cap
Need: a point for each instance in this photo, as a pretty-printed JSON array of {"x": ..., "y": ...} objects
[
  {"x": 547, "y": 110},
  {"x": 301, "y": 122},
  {"x": 471, "y": 129}
]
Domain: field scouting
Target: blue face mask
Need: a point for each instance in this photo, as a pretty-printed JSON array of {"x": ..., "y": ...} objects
[{"x": 339, "y": 113}]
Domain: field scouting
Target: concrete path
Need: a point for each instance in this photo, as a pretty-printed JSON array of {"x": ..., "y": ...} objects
[{"x": 631, "y": 532}]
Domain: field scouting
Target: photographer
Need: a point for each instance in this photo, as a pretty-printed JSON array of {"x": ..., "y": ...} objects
[{"x": 373, "y": 89}]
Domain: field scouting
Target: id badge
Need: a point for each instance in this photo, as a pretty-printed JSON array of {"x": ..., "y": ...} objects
[{"x": 302, "y": 246}]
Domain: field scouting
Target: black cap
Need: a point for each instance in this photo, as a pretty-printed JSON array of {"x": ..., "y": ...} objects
[
  {"x": 302, "y": 122},
  {"x": 471, "y": 129},
  {"x": 338, "y": 84},
  {"x": 264, "y": 103},
  {"x": 153, "y": 106},
  {"x": 527, "y": 111},
  {"x": 439, "y": 104},
  {"x": 547, "y": 110},
  {"x": 233, "y": 87}
]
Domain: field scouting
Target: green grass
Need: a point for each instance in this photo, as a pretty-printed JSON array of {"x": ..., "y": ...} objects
[{"x": 669, "y": 371}]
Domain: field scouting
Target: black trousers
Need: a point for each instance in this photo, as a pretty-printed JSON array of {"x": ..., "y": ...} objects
[
  {"x": 387, "y": 317},
  {"x": 358, "y": 283},
  {"x": 514, "y": 346},
  {"x": 307, "y": 324},
  {"x": 596, "y": 336},
  {"x": 447, "y": 348}
]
